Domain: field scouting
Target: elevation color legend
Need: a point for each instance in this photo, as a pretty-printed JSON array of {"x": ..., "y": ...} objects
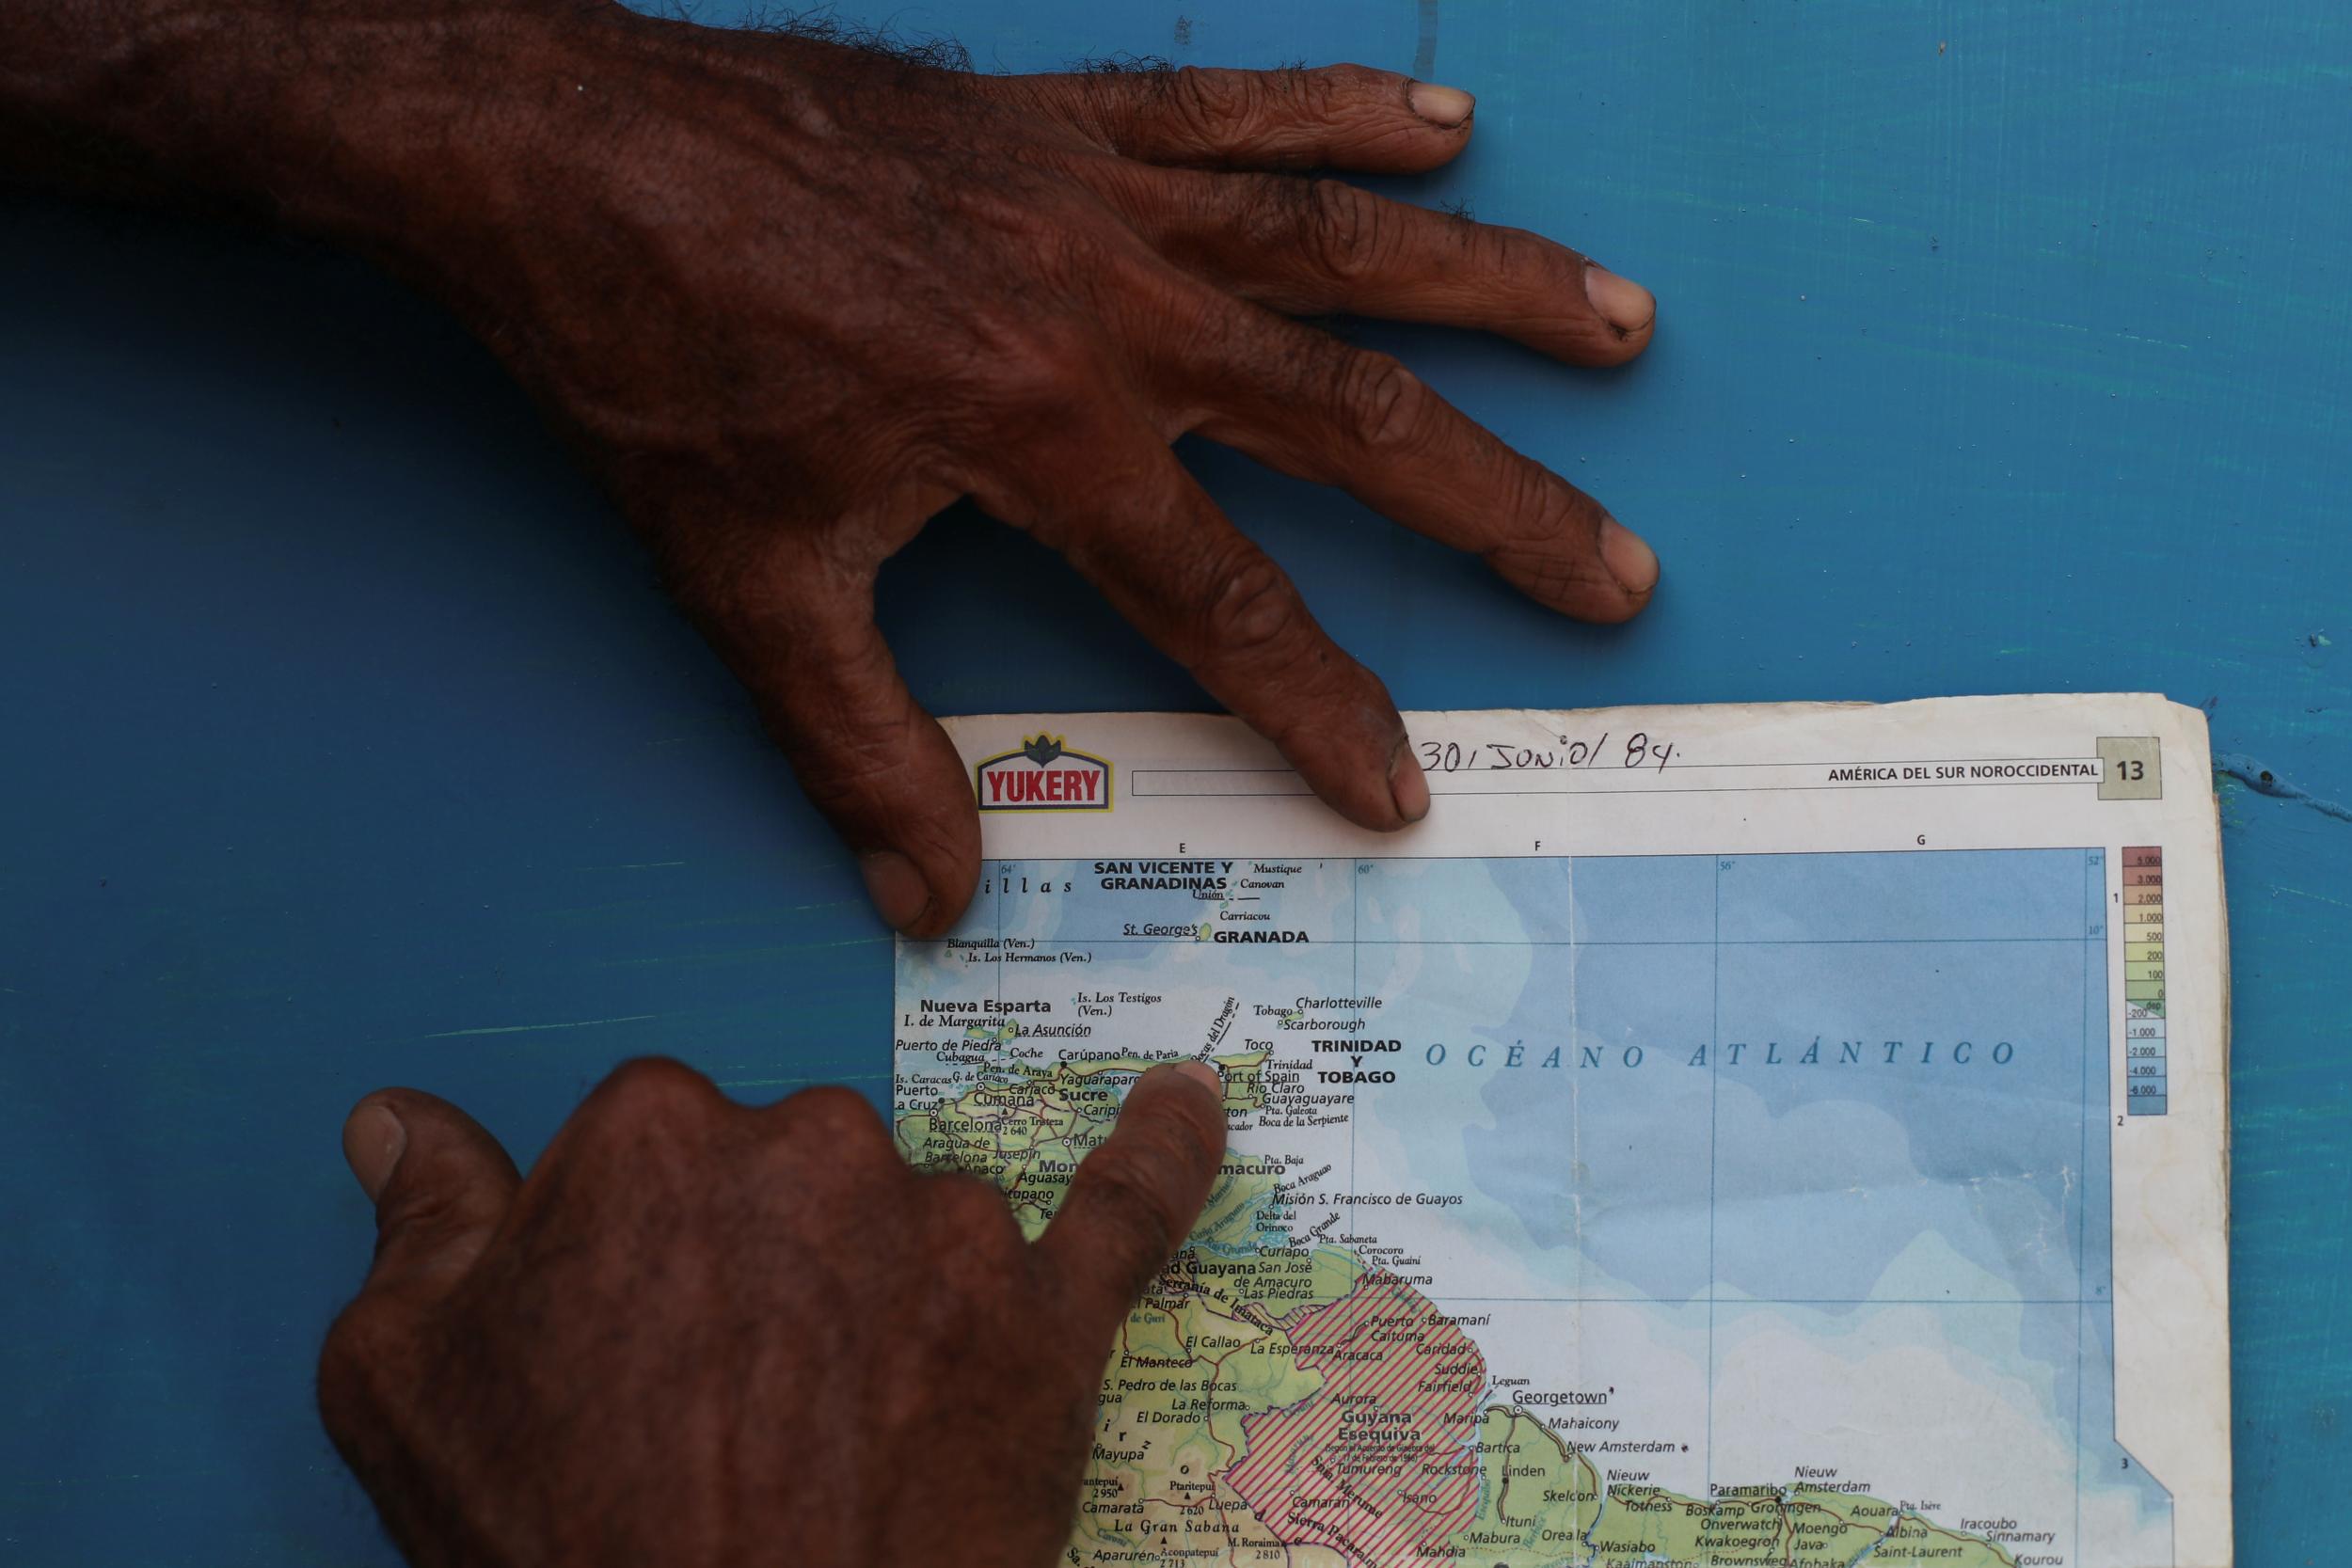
[{"x": 2144, "y": 1084}]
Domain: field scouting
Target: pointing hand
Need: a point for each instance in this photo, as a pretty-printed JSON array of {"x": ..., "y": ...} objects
[{"x": 698, "y": 1334}]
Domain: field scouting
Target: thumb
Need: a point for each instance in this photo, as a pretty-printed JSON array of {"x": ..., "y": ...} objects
[{"x": 440, "y": 1183}]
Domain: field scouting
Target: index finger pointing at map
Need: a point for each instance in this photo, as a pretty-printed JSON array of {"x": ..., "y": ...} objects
[{"x": 1133, "y": 1201}]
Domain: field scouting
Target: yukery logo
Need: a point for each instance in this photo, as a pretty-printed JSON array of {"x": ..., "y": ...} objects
[{"x": 1043, "y": 775}]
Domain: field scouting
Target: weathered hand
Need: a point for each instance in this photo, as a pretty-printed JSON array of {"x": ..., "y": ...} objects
[
  {"x": 797, "y": 298},
  {"x": 793, "y": 298},
  {"x": 699, "y": 1334}
]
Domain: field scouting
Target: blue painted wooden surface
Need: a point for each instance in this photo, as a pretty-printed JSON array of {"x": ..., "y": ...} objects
[{"x": 343, "y": 740}]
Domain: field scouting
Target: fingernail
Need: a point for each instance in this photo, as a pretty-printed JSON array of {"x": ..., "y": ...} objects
[
  {"x": 1445, "y": 106},
  {"x": 1203, "y": 1074},
  {"x": 1633, "y": 563},
  {"x": 1622, "y": 303},
  {"x": 899, "y": 893},
  {"x": 373, "y": 1141},
  {"x": 1407, "y": 787}
]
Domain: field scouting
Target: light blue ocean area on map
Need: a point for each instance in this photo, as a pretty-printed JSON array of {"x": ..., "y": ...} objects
[
  {"x": 1601, "y": 1154},
  {"x": 1825, "y": 1173},
  {"x": 1938, "y": 895},
  {"x": 1543, "y": 899},
  {"x": 1856, "y": 1080},
  {"x": 1863, "y": 1082}
]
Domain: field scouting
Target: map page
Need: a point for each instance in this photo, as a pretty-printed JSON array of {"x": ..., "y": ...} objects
[{"x": 1715, "y": 1135}]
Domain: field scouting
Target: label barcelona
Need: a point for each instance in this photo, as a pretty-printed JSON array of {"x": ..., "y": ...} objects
[{"x": 1043, "y": 775}]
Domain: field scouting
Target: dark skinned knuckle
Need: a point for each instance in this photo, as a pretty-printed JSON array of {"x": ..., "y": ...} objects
[
  {"x": 854, "y": 755},
  {"x": 1050, "y": 366},
  {"x": 1196, "y": 1124},
  {"x": 1213, "y": 103},
  {"x": 654, "y": 1088},
  {"x": 1540, "y": 573},
  {"x": 1316, "y": 93},
  {"x": 1127, "y": 1191},
  {"x": 1387, "y": 403},
  {"x": 418, "y": 1209},
  {"x": 847, "y": 745},
  {"x": 873, "y": 794},
  {"x": 1547, "y": 544},
  {"x": 972, "y": 1211},
  {"x": 1549, "y": 514},
  {"x": 356, "y": 1339},
  {"x": 1344, "y": 231},
  {"x": 1040, "y": 353},
  {"x": 1253, "y": 607},
  {"x": 841, "y": 1117},
  {"x": 1271, "y": 215},
  {"x": 1557, "y": 270},
  {"x": 367, "y": 1338},
  {"x": 1170, "y": 1148}
]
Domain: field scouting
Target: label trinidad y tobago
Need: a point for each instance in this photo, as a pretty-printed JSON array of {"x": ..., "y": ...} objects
[{"x": 1043, "y": 775}]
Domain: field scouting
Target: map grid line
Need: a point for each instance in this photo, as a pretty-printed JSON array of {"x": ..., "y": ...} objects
[
  {"x": 2095, "y": 884},
  {"x": 1714, "y": 1067}
]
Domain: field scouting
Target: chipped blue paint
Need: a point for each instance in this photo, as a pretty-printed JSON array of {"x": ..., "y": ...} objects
[
  {"x": 2252, "y": 774},
  {"x": 2004, "y": 347}
]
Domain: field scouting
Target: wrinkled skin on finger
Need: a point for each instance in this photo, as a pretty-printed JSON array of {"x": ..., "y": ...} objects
[
  {"x": 700, "y": 1334},
  {"x": 791, "y": 298}
]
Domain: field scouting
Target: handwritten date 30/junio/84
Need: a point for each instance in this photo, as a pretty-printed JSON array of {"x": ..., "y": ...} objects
[{"x": 1636, "y": 750}]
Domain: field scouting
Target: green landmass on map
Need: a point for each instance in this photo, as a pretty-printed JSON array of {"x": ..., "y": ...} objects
[{"x": 1242, "y": 1424}]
